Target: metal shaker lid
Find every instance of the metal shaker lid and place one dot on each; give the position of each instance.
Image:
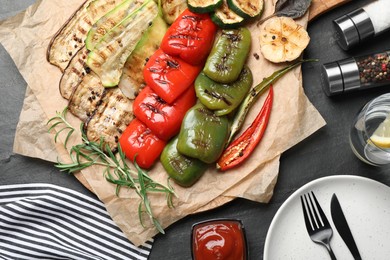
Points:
(353, 28)
(331, 79)
(340, 76)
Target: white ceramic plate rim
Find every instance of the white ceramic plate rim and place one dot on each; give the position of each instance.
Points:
(294, 198)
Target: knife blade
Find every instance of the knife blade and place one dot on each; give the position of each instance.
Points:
(342, 227)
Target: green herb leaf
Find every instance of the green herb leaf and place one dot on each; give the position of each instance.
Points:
(116, 170)
(59, 120)
(289, 8)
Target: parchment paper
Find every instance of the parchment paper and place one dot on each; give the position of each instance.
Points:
(26, 37)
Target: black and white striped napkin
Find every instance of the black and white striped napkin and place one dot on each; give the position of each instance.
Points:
(44, 221)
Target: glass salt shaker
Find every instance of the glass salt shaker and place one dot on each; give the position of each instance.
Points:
(356, 73)
(362, 24)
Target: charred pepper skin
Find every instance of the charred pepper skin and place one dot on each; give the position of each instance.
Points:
(203, 135)
(255, 93)
(162, 118)
(228, 55)
(223, 98)
(242, 147)
(185, 171)
(140, 144)
(169, 76)
(190, 37)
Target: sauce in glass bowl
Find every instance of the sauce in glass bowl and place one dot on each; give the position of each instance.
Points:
(220, 239)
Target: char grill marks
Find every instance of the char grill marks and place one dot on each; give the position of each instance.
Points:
(74, 73)
(86, 97)
(110, 118)
(69, 39)
(106, 112)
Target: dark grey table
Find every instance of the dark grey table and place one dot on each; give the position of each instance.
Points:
(325, 153)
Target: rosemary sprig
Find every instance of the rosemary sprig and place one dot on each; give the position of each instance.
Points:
(116, 170)
(59, 119)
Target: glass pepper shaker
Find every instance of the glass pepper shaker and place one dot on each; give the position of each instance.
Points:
(356, 73)
(363, 23)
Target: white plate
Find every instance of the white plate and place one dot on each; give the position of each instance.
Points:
(366, 205)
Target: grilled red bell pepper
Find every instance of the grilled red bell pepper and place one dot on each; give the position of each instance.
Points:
(242, 147)
(163, 119)
(190, 37)
(138, 141)
(169, 76)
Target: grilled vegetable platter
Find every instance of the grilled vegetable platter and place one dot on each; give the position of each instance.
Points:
(166, 85)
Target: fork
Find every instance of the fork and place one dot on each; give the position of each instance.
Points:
(317, 224)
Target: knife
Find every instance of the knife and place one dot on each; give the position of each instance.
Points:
(342, 227)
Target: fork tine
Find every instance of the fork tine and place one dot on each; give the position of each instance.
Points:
(322, 214)
(316, 222)
(305, 214)
(312, 212)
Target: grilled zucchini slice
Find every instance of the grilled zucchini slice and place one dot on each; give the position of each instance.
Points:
(132, 81)
(225, 18)
(246, 8)
(110, 54)
(71, 36)
(109, 21)
(203, 6)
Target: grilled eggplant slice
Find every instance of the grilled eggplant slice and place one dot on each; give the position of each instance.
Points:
(86, 97)
(132, 80)
(109, 21)
(71, 36)
(110, 119)
(74, 73)
(110, 54)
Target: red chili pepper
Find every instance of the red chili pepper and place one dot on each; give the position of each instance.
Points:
(138, 140)
(169, 76)
(190, 37)
(242, 147)
(163, 119)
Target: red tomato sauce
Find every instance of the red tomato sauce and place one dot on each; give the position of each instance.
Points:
(219, 239)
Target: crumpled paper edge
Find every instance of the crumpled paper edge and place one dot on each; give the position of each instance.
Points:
(107, 198)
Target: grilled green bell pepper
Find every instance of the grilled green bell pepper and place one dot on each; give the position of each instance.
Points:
(228, 55)
(203, 135)
(223, 98)
(184, 170)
